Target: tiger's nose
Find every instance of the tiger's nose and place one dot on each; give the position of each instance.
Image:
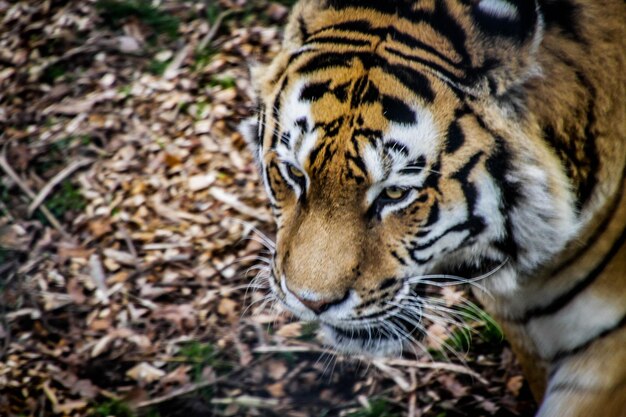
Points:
(320, 306)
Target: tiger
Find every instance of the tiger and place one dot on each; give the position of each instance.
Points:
(403, 141)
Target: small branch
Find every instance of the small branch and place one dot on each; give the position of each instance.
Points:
(213, 31)
(99, 278)
(233, 202)
(247, 401)
(176, 393)
(129, 243)
(27, 190)
(385, 361)
(56, 180)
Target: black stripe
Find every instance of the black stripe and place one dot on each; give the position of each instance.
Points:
(370, 134)
(303, 125)
(564, 299)
(455, 137)
(560, 355)
(599, 231)
(276, 106)
(498, 165)
(468, 187)
(325, 60)
(460, 227)
(304, 31)
(385, 7)
(398, 257)
(564, 15)
(427, 63)
(413, 80)
(337, 40)
(433, 216)
(285, 138)
(396, 146)
(363, 27)
(397, 110)
(261, 125)
(314, 91)
(519, 28)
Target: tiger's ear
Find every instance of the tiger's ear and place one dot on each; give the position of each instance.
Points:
(508, 37)
(297, 29)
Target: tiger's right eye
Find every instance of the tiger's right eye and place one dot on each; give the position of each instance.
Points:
(295, 172)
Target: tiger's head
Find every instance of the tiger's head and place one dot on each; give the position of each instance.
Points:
(393, 144)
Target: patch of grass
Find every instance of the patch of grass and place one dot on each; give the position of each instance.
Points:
(115, 12)
(288, 3)
(484, 325)
(224, 81)
(62, 145)
(66, 198)
(4, 257)
(157, 67)
(203, 57)
(201, 355)
(110, 407)
(53, 72)
(125, 90)
(309, 330)
(213, 10)
(377, 408)
(460, 339)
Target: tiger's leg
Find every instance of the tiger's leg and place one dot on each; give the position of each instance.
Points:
(590, 383)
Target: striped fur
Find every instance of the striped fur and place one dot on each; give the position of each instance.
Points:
(399, 140)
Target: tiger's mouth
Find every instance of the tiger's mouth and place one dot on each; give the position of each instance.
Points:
(383, 338)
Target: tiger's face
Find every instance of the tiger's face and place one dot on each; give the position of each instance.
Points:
(382, 178)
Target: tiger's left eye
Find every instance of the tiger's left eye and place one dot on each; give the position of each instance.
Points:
(395, 193)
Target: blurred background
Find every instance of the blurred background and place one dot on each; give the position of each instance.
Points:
(132, 222)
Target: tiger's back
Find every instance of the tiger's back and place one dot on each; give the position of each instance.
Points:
(400, 140)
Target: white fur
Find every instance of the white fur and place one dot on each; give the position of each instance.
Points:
(574, 324)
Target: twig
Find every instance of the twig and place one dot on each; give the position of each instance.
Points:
(389, 362)
(213, 31)
(248, 401)
(188, 389)
(437, 365)
(177, 393)
(234, 203)
(129, 244)
(394, 374)
(56, 180)
(172, 69)
(97, 274)
(27, 190)
(218, 272)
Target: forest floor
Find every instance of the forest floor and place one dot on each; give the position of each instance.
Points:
(131, 219)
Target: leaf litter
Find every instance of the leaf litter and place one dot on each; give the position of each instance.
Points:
(132, 218)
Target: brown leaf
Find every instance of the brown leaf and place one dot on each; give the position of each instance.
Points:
(99, 227)
(514, 384)
(450, 383)
(277, 369)
(183, 315)
(178, 376)
(276, 389)
(290, 330)
(228, 308)
(145, 372)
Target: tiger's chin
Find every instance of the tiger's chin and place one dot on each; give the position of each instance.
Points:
(372, 342)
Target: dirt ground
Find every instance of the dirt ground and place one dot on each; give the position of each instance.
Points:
(132, 222)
